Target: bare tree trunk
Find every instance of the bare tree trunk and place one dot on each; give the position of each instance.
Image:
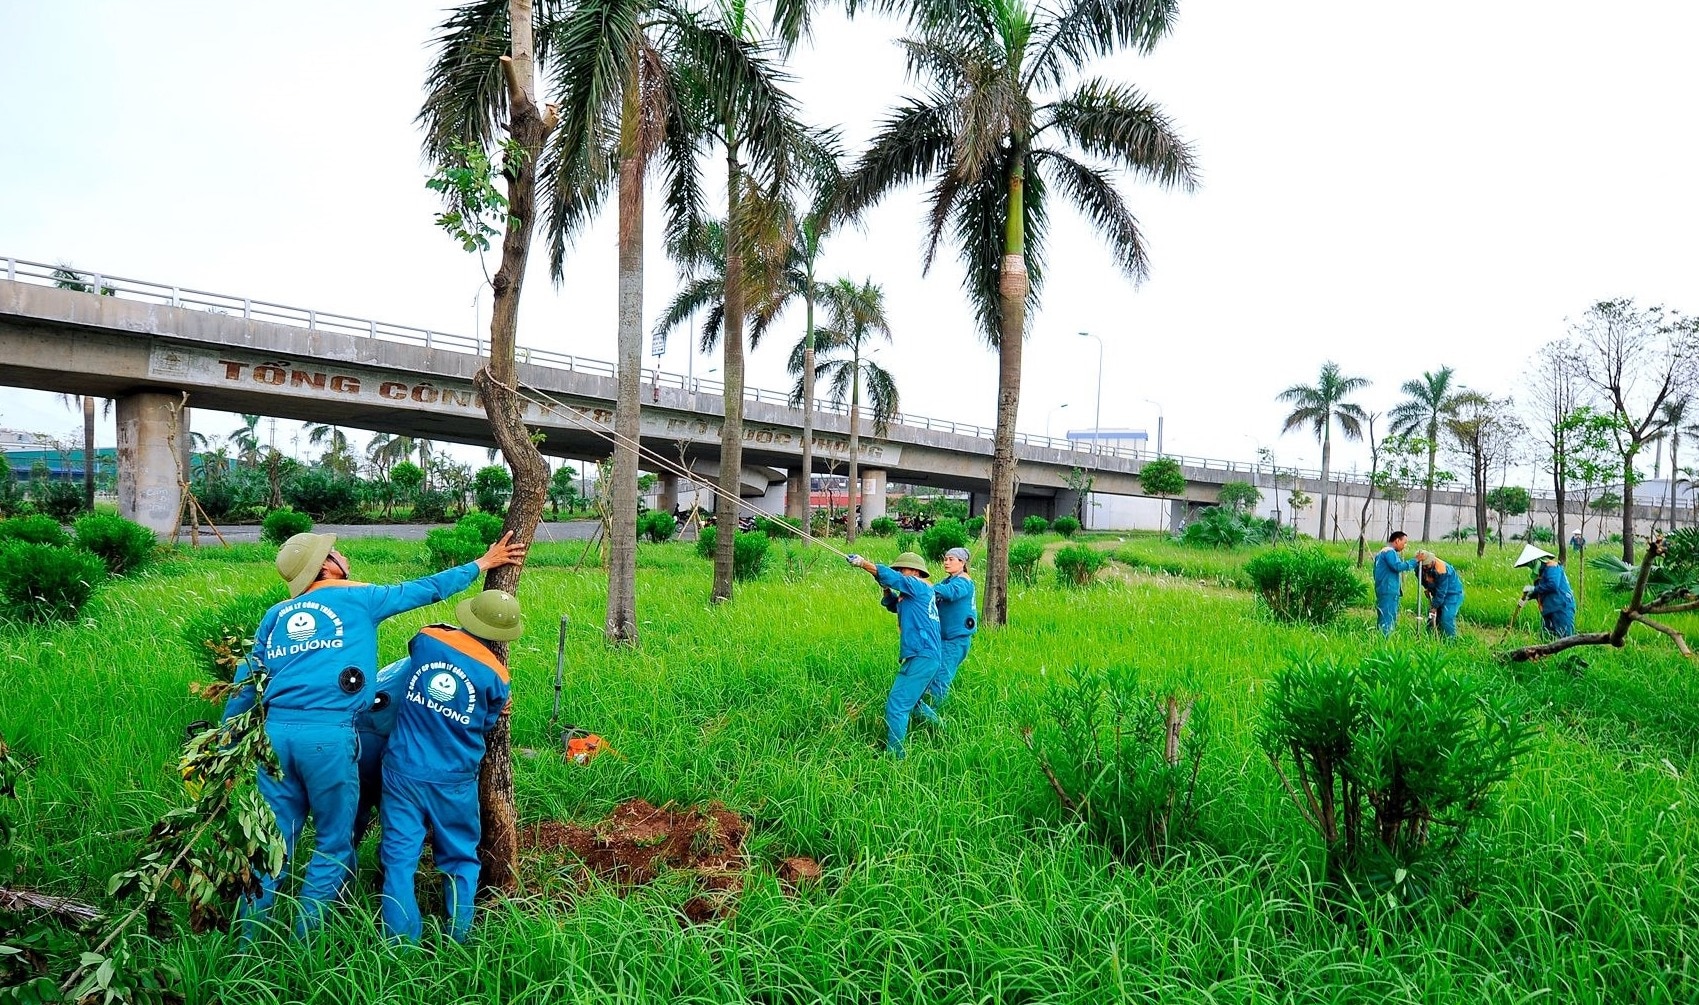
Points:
(88, 453)
(621, 624)
(854, 519)
(498, 384)
(1368, 500)
(1628, 508)
(1012, 289)
(1428, 488)
(1675, 445)
(1480, 472)
(731, 431)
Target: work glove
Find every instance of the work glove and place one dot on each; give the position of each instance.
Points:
(1527, 593)
(854, 559)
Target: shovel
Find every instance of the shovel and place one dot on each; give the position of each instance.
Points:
(1514, 615)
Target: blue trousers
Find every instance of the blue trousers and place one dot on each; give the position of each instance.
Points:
(1445, 615)
(952, 653)
(1386, 606)
(371, 782)
(904, 700)
(321, 779)
(1558, 622)
(447, 811)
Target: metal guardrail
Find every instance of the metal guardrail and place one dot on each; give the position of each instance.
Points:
(40, 273)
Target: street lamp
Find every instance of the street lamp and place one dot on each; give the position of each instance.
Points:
(1097, 416)
(1158, 425)
(1051, 415)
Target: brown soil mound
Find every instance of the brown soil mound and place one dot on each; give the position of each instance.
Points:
(637, 842)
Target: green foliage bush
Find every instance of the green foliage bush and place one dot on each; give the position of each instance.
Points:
(882, 526)
(1124, 758)
(12, 494)
(492, 486)
(324, 495)
(36, 529)
(1078, 564)
(59, 500)
(1034, 524)
(123, 545)
(1241, 496)
(975, 527)
(44, 582)
(221, 635)
(1023, 560)
(431, 506)
(447, 547)
(705, 539)
(941, 537)
(1162, 477)
(657, 525)
(749, 551)
(1304, 584)
(1223, 527)
(1391, 760)
(1540, 535)
(407, 478)
(283, 523)
(1066, 526)
(778, 527)
(485, 527)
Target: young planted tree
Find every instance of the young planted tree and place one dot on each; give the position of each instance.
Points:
(1554, 393)
(1428, 402)
(1318, 406)
(1003, 124)
(855, 324)
(1508, 501)
(472, 92)
(1369, 494)
(1482, 429)
(1637, 360)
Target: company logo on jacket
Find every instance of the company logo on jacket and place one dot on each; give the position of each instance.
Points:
(447, 691)
(303, 623)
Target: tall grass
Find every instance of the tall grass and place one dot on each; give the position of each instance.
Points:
(951, 876)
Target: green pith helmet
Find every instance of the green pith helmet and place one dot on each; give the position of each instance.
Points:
(301, 558)
(492, 615)
(909, 560)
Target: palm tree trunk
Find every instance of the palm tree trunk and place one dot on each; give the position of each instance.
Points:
(731, 430)
(88, 453)
(1326, 468)
(1428, 486)
(807, 507)
(498, 384)
(1012, 289)
(854, 519)
(621, 623)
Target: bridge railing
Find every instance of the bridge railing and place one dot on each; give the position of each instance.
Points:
(1082, 452)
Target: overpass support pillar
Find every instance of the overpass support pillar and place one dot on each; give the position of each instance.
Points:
(666, 499)
(1067, 503)
(153, 446)
(872, 496)
(977, 503)
(796, 495)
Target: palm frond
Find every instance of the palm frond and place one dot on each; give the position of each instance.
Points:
(912, 143)
(1121, 125)
(1084, 30)
(1093, 193)
(465, 95)
(882, 399)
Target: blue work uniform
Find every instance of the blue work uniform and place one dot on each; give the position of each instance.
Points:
(320, 651)
(372, 728)
(918, 651)
(1445, 597)
(1389, 588)
(958, 619)
(455, 689)
(1556, 599)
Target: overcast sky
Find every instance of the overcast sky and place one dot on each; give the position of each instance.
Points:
(1391, 186)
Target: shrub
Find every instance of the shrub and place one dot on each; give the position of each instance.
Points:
(1223, 527)
(492, 486)
(778, 526)
(283, 523)
(1162, 477)
(749, 551)
(1390, 760)
(1239, 496)
(216, 499)
(323, 495)
(11, 490)
(123, 545)
(36, 529)
(59, 500)
(222, 635)
(1304, 584)
(1077, 565)
(407, 478)
(1123, 758)
(975, 527)
(1034, 524)
(1461, 534)
(941, 537)
(485, 527)
(1023, 560)
(657, 526)
(447, 547)
(430, 506)
(705, 539)
(1066, 526)
(44, 582)
(907, 540)
(882, 526)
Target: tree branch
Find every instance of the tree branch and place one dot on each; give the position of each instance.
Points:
(1675, 636)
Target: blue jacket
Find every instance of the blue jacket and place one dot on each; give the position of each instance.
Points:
(450, 695)
(309, 643)
(1551, 588)
(1388, 566)
(957, 617)
(917, 613)
(379, 719)
(1443, 587)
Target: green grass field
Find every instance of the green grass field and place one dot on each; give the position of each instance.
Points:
(951, 876)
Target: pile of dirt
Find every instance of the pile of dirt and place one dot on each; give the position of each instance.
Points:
(638, 841)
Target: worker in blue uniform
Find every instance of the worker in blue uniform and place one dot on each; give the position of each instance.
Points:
(958, 619)
(1390, 565)
(455, 690)
(372, 728)
(1550, 590)
(918, 645)
(319, 650)
(1444, 587)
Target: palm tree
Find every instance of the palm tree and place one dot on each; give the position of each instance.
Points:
(1428, 402)
(1318, 407)
(1002, 123)
(246, 440)
(855, 321)
(1672, 415)
(338, 456)
(67, 278)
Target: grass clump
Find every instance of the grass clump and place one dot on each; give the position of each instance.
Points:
(283, 523)
(882, 526)
(42, 582)
(37, 528)
(1067, 526)
(1304, 584)
(447, 547)
(942, 536)
(221, 634)
(1078, 565)
(123, 545)
(749, 551)
(1023, 560)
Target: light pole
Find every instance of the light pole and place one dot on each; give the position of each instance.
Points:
(1158, 425)
(1051, 415)
(1097, 415)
